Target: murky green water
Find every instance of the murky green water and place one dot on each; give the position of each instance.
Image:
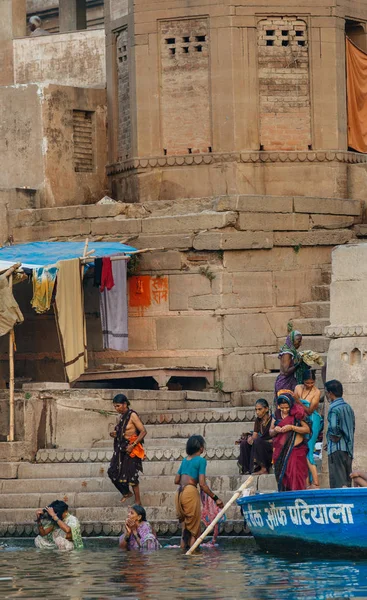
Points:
(103, 572)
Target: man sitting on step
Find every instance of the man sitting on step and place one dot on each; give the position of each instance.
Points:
(128, 451)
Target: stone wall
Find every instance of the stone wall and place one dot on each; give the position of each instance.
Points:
(231, 272)
(71, 59)
(284, 87)
(38, 143)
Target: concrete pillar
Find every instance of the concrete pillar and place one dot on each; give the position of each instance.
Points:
(13, 23)
(72, 15)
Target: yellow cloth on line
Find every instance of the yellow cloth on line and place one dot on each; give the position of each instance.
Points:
(43, 284)
(70, 318)
(10, 313)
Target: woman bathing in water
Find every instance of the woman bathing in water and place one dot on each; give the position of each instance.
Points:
(309, 395)
(139, 534)
(188, 506)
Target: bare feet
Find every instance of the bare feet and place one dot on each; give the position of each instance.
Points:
(313, 486)
(261, 471)
(124, 498)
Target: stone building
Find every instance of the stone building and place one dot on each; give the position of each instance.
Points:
(227, 151)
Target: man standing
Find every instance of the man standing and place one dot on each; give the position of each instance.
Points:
(128, 451)
(340, 436)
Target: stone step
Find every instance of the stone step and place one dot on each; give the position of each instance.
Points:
(148, 483)
(315, 310)
(326, 276)
(249, 398)
(148, 444)
(311, 326)
(317, 343)
(224, 466)
(320, 292)
(266, 381)
(91, 499)
(164, 528)
(80, 455)
(99, 514)
(214, 415)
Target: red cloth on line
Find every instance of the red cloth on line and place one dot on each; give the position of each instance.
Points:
(106, 277)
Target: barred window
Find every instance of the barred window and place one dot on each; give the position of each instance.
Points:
(83, 123)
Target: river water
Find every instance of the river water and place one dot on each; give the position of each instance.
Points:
(103, 572)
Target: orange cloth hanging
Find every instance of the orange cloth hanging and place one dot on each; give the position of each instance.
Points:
(138, 449)
(357, 97)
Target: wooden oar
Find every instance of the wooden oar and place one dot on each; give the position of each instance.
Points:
(210, 527)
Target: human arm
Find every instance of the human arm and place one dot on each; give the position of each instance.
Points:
(43, 531)
(274, 429)
(287, 366)
(333, 433)
(314, 403)
(302, 428)
(177, 479)
(124, 538)
(142, 432)
(206, 489)
(58, 521)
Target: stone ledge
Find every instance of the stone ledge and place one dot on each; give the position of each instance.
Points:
(114, 529)
(341, 331)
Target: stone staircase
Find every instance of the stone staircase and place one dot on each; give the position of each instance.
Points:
(314, 317)
(79, 475)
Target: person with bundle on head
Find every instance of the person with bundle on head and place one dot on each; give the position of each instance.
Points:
(188, 505)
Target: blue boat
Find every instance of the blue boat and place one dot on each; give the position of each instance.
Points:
(308, 521)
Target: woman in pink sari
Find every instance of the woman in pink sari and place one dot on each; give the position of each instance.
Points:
(288, 429)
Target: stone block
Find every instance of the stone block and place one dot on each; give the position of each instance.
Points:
(264, 382)
(9, 470)
(182, 287)
(327, 206)
(235, 370)
(117, 226)
(285, 259)
(142, 333)
(315, 309)
(184, 332)
(170, 242)
(293, 287)
(348, 302)
(272, 362)
(191, 222)
(278, 320)
(249, 290)
(160, 261)
(247, 330)
(274, 222)
(323, 237)
(207, 302)
(100, 211)
(350, 263)
(311, 326)
(249, 398)
(269, 204)
(235, 240)
(61, 213)
(331, 221)
(320, 292)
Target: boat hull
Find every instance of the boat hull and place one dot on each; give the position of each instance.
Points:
(309, 520)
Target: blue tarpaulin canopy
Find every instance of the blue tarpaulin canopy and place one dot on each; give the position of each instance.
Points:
(41, 254)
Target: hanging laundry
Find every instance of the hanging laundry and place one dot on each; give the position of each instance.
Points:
(113, 306)
(10, 313)
(97, 272)
(70, 318)
(43, 285)
(107, 280)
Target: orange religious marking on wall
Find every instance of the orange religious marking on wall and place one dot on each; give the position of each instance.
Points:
(160, 289)
(139, 291)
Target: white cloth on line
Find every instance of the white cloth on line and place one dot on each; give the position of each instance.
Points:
(113, 306)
